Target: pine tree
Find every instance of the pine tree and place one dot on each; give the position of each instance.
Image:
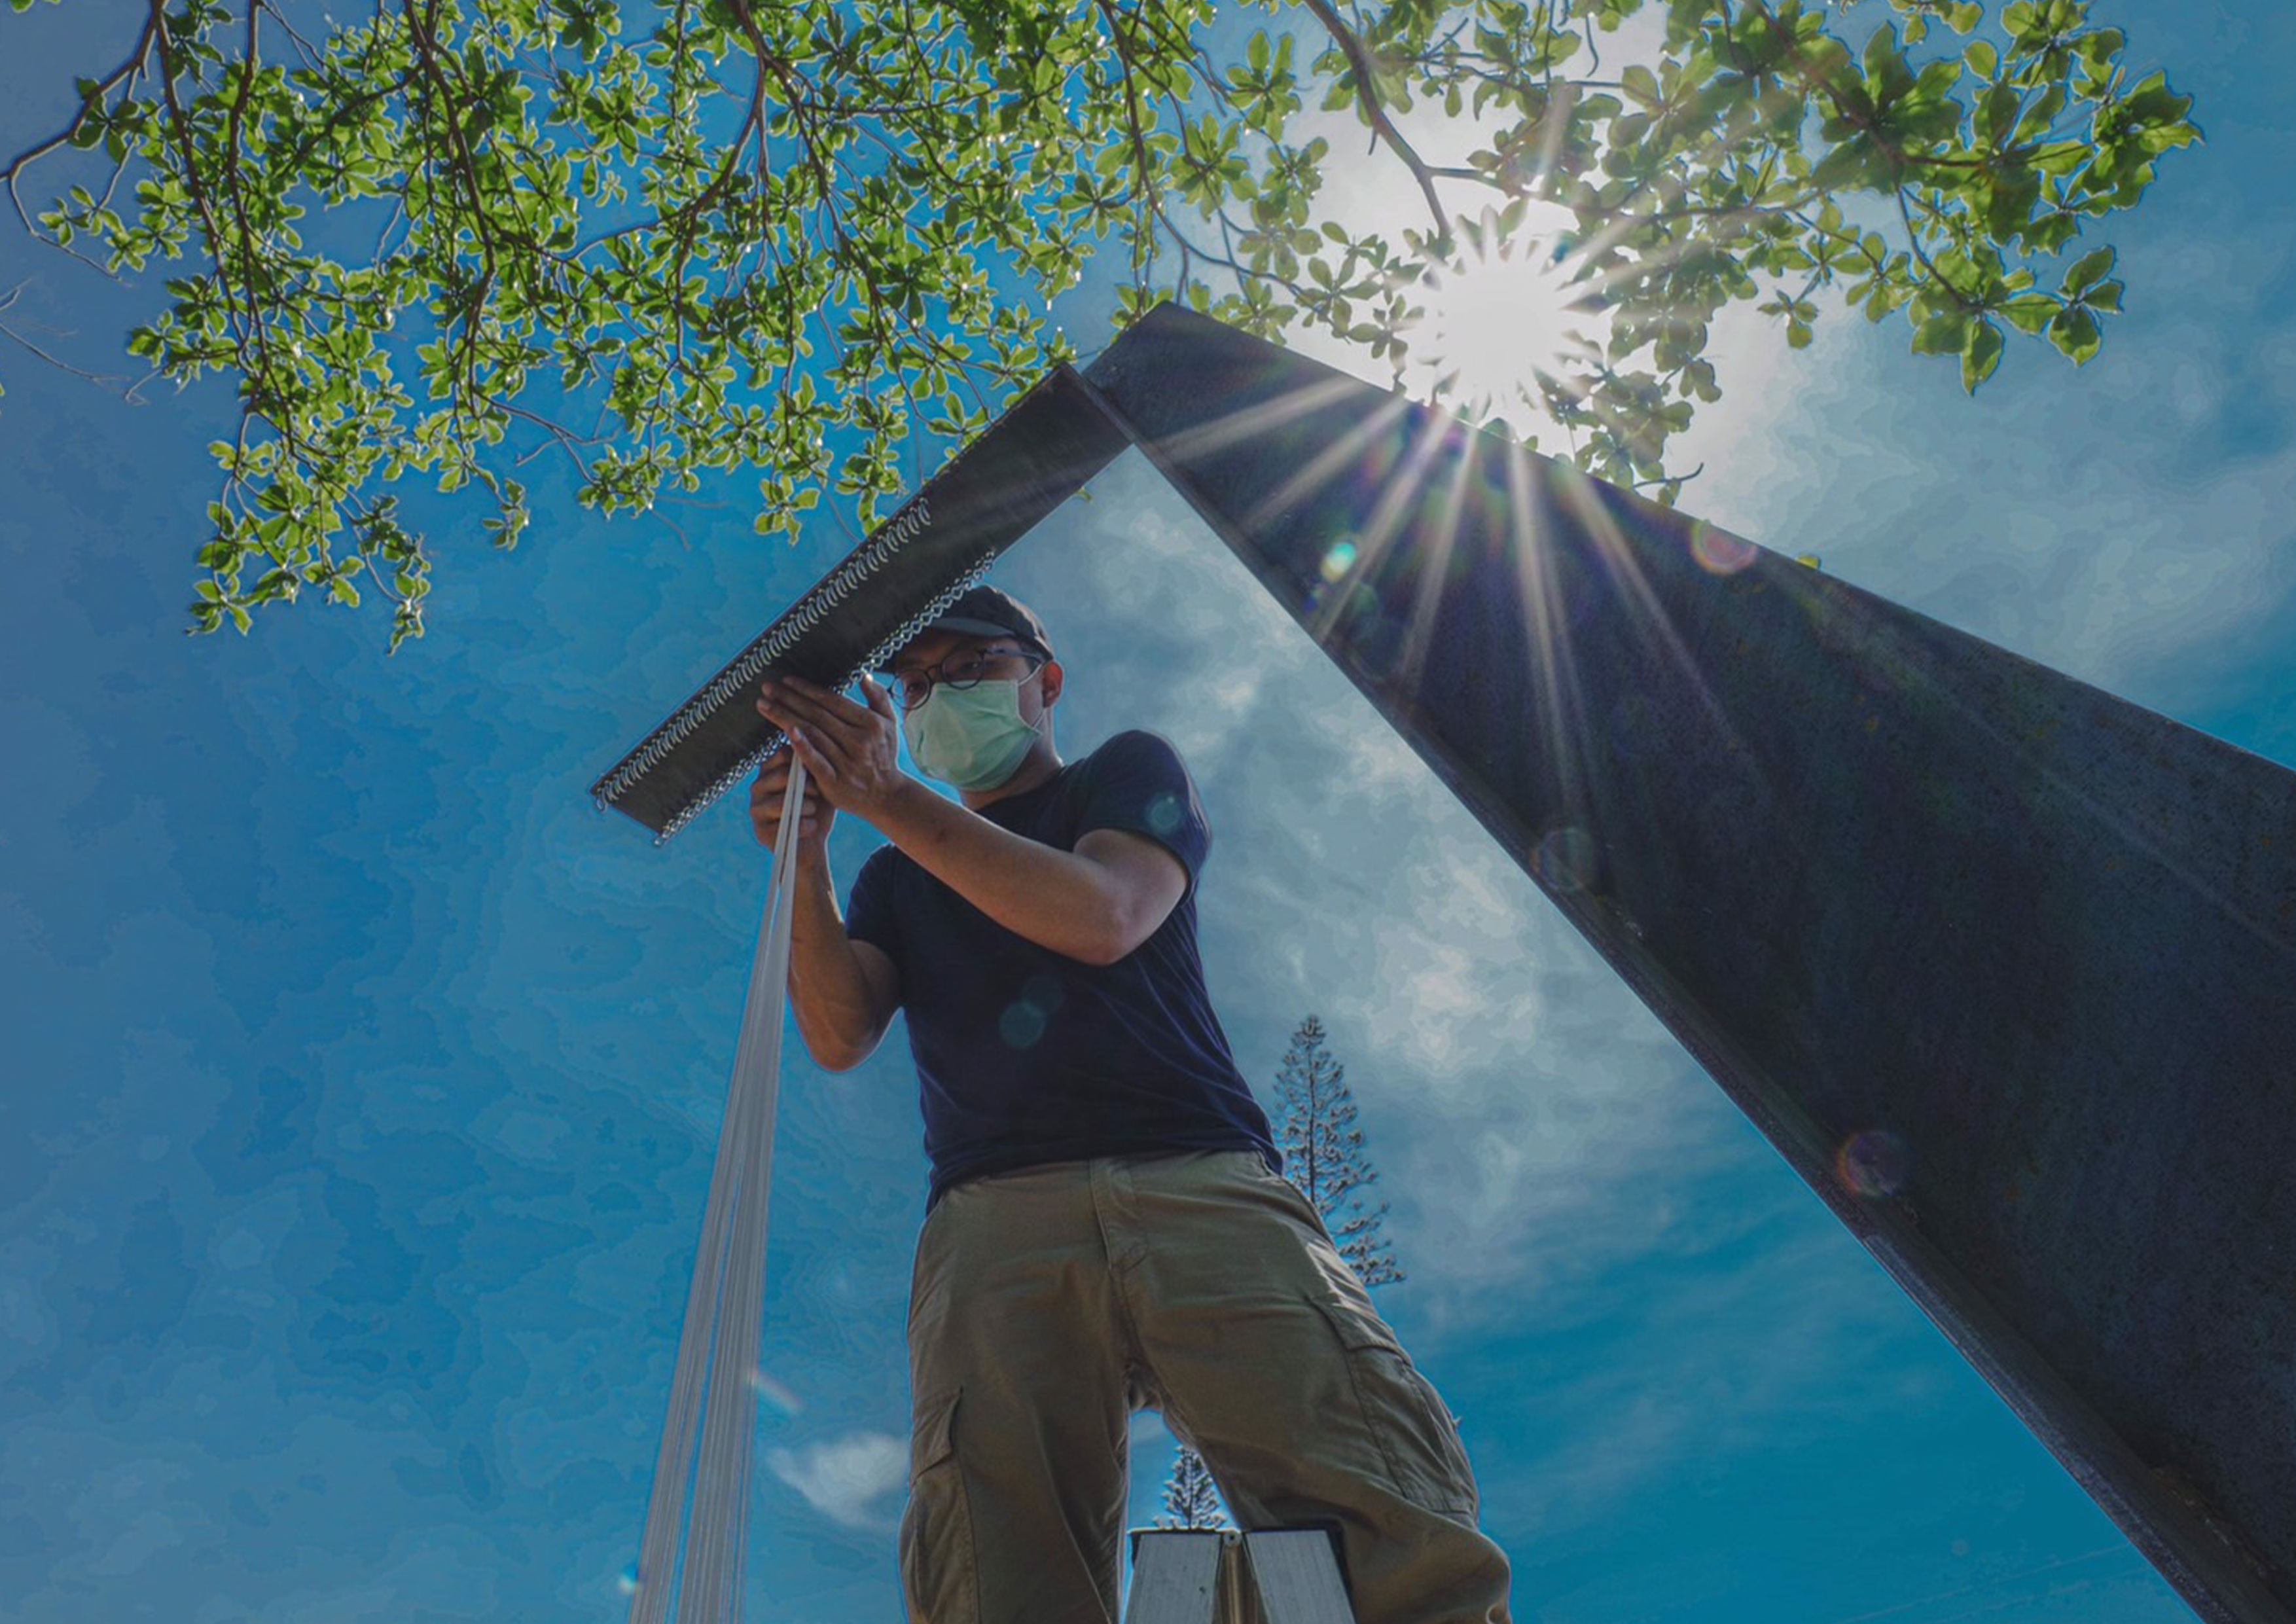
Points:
(1191, 1498)
(1324, 1154)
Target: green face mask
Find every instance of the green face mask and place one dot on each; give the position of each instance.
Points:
(970, 738)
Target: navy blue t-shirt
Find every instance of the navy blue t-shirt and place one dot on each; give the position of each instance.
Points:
(1025, 1055)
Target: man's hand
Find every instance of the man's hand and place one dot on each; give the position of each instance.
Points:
(767, 795)
(851, 752)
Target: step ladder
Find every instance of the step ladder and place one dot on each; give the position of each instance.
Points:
(1218, 1576)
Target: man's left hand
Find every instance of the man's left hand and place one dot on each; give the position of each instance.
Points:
(852, 751)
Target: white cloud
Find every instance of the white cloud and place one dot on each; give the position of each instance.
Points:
(845, 1477)
(2097, 522)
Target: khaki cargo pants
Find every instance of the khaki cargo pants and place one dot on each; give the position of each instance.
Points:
(1049, 1304)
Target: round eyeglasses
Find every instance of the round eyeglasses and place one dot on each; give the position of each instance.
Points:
(967, 668)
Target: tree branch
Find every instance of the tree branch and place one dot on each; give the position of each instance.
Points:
(1366, 93)
(153, 18)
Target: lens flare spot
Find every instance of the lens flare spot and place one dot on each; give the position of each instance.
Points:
(1024, 1019)
(1719, 553)
(1021, 1025)
(1565, 859)
(1873, 1163)
(774, 1393)
(1164, 813)
(1339, 560)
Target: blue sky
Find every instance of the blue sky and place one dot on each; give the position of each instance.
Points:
(363, 1080)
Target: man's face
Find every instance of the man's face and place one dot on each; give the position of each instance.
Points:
(936, 655)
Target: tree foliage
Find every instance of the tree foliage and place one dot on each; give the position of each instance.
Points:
(444, 237)
(1191, 1498)
(1323, 1152)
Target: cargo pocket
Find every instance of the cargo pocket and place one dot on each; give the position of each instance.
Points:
(938, 1579)
(1417, 1439)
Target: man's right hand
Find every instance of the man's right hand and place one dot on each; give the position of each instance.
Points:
(767, 794)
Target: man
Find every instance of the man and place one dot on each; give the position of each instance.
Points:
(1107, 1229)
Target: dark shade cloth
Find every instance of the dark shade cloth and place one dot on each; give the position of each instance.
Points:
(1025, 1056)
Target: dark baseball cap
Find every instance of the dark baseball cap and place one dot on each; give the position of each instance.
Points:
(988, 611)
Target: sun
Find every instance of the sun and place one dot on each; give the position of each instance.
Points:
(1503, 314)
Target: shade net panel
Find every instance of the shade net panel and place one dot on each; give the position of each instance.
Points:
(2003, 966)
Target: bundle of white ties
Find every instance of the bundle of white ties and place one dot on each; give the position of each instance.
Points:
(725, 1307)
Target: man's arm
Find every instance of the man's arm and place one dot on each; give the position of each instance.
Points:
(1095, 904)
(843, 992)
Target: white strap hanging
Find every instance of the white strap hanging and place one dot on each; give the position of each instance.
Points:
(724, 1306)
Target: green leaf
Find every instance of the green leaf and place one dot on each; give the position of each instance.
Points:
(1881, 51)
(1943, 334)
(2051, 232)
(1854, 163)
(2031, 313)
(2075, 332)
(2087, 271)
(1979, 355)
(2015, 191)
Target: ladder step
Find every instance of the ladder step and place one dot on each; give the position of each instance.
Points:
(1267, 1576)
(1297, 1577)
(1176, 1576)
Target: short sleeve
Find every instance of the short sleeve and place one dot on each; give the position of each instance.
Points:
(871, 914)
(1137, 782)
